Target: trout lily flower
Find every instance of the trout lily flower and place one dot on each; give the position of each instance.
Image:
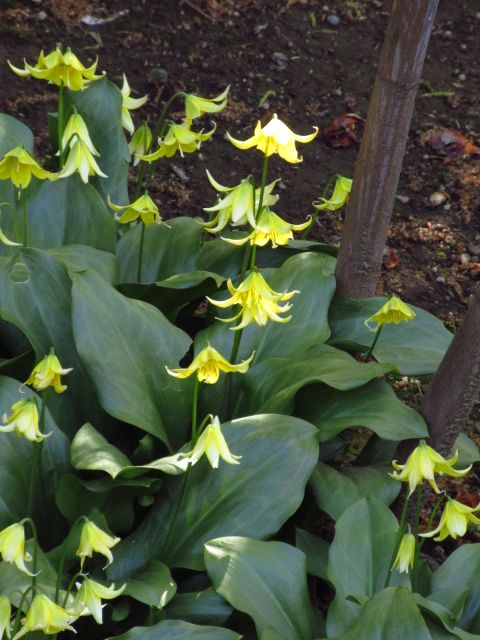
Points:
(275, 137)
(47, 374)
(76, 129)
(258, 302)
(12, 547)
(18, 166)
(46, 616)
(270, 228)
(406, 554)
(5, 615)
(23, 419)
(62, 69)
(422, 464)
(454, 521)
(90, 595)
(140, 143)
(207, 366)
(92, 538)
(81, 159)
(195, 106)
(128, 104)
(393, 311)
(339, 197)
(212, 443)
(181, 138)
(239, 205)
(143, 208)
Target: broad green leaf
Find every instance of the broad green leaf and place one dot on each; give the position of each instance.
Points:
(152, 585)
(373, 406)
(336, 491)
(278, 455)
(316, 551)
(468, 451)
(78, 257)
(415, 347)
(167, 251)
(14, 133)
(125, 345)
(199, 607)
(359, 559)
(221, 257)
(100, 105)
(177, 630)
(441, 611)
(266, 580)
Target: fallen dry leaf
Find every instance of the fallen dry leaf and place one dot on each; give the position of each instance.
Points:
(344, 131)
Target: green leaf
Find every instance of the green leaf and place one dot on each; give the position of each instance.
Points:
(336, 491)
(177, 630)
(468, 451)
(278, 455)
(14, 582)
(266, 580)
(221, 257)
(316, 551)
(152, 585)
(199, 607)
(373, 406)
(125, 345)
(415, 347)
(358, 563)
(14, 133)
(78, 257)
(100, 105)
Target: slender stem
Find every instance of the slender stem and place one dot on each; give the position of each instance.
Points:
(435, 509)
(398, 541)
(16, 624)
(196, 386)
(140, 252)
(23, 201)
(33, 528)
(253, 257)
(60, 125)
(70, 587)
(37, 452)
(415, 533)
(377, 335)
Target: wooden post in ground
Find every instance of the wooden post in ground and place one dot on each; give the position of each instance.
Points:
(383, 146)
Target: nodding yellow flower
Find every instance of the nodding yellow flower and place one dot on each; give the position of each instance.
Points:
(44, 615)
(339, 197)
(195, 106)
(208, 364)
(81, 159)
(212, 443)
(258, 302)
(270, 228)
(77, 129)
(140, 143)
(94, 539)
(181, 138)
(422, 464)
(23, 419)
(60, 69)
(454, 521)
(47, 374)
(275, 137)
(393, 311)
(5, 615)
(128, 104)
(12, 547)
(406, 554)
(18, 166)
(239, 205)
(90, 595)
(144, 208)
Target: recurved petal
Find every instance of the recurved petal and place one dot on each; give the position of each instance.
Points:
(307, 138)
(242, 144)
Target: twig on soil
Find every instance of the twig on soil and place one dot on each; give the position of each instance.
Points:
(197, 9)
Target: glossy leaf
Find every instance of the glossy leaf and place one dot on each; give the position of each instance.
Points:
(14, 133)
(177, 630)
(200, 607)
(152, 585)
(316, 552)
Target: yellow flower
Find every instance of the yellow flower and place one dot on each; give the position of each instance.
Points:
(422, 464)
(179, 137)
(5, 614)
(208, 364)
(406, 554)
(270, 228)
(454, 521)
(92, 538)
(212, 443)
(18, 166)
(60, 69)
(258, 301)
(81, 159)
(12, 547)
(238, 207)
(393, 311)
(140, 143)
(46, 616)
(128, 104)
(23, 419)
(90, 595)
(144, 208)
(339, 196)
(47, 374)
(196, 106)
(77, 129)
(275, 137)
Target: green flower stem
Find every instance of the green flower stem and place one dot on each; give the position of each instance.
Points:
(262, 185)
(315, 214)
(63, 555)
(33, 528)
(435, 509)
(60, 125)
(196, 386)
(415, 533)
(71, 584)
(398, 541)
(16, 623)
(375, 340)
(37, 454)
(140, 252)
(23, 201)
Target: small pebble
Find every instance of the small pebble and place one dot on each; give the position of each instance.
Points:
(42, 15)
(441, 280)
(403, 199)
(463, 47)
(337, 92)
(333, 21)
(464, 258)
(462, 77)
(437, 198)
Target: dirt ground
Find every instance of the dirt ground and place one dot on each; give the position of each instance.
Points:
(310, 61)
